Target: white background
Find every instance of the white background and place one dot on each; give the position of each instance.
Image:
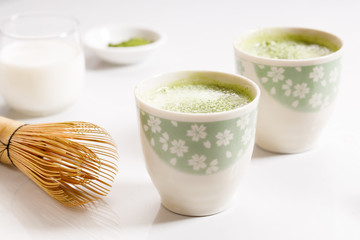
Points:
(312, 195)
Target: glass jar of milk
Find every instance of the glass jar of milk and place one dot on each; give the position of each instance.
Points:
(41, 63)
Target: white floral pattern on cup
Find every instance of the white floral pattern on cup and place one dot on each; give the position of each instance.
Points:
(199, 148)
(306, 88)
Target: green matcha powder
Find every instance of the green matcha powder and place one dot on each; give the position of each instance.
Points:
(199, 97)
(281, 45)
(289, 49)
(133, 42)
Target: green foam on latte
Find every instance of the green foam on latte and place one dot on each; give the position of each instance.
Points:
(197, 94)
(285, 45)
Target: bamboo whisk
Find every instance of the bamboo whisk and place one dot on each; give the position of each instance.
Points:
(74, 162)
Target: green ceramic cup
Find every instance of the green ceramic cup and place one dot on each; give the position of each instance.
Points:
(196, 161)
(297, 95)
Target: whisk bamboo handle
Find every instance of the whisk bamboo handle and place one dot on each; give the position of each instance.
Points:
(7, 129)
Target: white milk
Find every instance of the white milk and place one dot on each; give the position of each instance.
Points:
(41, 77)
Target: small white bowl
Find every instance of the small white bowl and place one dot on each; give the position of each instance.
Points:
(97, 40)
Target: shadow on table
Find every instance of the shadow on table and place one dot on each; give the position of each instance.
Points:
(37, 211)
(96, 64)
(6, 111)
(166, 216)
(261, 154)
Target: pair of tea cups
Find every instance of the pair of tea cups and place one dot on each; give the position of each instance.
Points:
(196, 161)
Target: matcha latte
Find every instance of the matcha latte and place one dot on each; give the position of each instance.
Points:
(287, 45)
(298, 71)
(197, 132)
(198, 95)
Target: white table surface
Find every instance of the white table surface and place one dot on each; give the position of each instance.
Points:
(312, 195)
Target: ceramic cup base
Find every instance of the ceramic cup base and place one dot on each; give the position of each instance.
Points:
(184, 210)
(274, 148)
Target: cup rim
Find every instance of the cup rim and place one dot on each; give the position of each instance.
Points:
(199, 117)
(289, 62)
(18, 16)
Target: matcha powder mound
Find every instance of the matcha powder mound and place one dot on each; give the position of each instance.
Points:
(133, 42)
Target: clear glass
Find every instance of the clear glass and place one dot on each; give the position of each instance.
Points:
(41, 63)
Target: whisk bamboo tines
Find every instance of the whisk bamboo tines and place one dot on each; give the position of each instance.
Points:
(74, 162)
